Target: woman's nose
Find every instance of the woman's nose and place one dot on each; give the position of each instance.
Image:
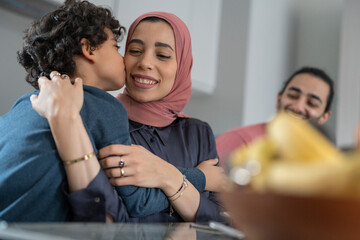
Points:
(146, 62)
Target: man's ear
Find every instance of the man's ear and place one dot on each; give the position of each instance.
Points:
(324, 117)
(278, 98)
(87, 50)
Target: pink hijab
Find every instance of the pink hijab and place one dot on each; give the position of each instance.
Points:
(163, 112)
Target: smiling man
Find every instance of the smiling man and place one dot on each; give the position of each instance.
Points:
(307, 94)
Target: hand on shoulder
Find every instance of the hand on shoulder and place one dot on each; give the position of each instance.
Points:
(58, 97)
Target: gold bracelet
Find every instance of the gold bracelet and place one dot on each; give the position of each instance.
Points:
(181, 187)
(181, 193)
(84, 158)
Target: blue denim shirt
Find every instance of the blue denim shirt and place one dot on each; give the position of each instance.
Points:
(32, 173)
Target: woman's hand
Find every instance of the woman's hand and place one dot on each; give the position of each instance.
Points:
(141, 168)
(144, 169)
(215, 176)
(58, 96)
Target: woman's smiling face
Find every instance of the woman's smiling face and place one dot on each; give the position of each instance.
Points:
(150, 61)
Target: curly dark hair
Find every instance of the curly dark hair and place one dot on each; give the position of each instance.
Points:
(51, 42)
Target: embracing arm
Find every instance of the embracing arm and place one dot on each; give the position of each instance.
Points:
(142, 201)
(144, 169)
(60, 102)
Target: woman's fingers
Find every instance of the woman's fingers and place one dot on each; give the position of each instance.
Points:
(114, 161)
(54, 74)
(78, 83)
(34, 99)
(114, 149)
(119, 172)
(42, 81)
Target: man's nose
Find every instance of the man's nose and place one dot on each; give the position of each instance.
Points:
(300, 106)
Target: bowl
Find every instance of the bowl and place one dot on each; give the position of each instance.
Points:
(274, 216)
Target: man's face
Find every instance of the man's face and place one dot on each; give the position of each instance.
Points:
(306, 96)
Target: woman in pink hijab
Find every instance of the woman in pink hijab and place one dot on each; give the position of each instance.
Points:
(158, 61)
(168, 174)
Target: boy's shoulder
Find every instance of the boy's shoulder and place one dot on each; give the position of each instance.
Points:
(98, 96)
(101, 101)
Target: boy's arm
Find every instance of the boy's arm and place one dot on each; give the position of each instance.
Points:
(142, 202)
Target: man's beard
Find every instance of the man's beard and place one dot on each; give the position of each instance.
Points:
(313, 121)
(298, 114)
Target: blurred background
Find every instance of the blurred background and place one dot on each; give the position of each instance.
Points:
(243, 51)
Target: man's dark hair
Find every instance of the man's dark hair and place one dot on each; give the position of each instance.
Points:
(52, 42)
(317, 73)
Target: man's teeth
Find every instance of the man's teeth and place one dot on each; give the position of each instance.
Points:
(296, 115)
(145, 81)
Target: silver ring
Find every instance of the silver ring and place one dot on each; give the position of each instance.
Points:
(122, 172)
(121, 163)
(58, 74)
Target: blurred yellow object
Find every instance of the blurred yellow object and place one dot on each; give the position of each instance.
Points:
(297, 140)
(255, 159)
(295, 159)
(308, 179)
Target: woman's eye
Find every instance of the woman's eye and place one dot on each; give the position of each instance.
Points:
(162, 56)
(134, 51)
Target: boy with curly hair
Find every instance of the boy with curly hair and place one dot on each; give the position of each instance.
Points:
(80, 41)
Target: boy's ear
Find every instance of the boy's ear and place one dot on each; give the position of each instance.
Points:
(87, 50)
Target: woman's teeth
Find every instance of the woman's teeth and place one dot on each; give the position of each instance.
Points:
(145, 81)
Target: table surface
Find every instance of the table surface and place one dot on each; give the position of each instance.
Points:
(89, 231)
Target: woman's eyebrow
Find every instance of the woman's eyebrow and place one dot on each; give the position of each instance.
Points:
(135, 40)
(160, 44)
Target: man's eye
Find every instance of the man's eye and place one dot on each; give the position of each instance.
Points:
(313, 105)
(292, 96)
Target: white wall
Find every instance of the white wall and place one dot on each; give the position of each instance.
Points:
(223, 109)
(269, 57)
(348, 114)
(12, 83)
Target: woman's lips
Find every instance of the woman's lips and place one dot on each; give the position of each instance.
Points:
(143, 81)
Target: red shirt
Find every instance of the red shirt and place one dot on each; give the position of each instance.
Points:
(236, 138)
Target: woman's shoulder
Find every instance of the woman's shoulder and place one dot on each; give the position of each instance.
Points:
(191, 123)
